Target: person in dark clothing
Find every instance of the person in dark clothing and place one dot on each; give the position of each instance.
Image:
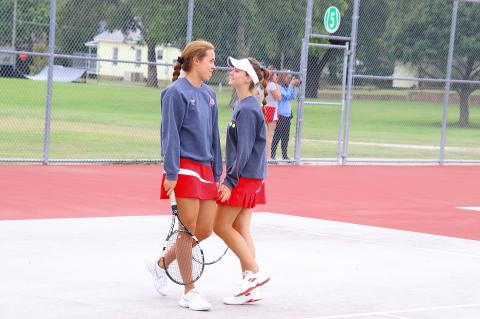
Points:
(243, 186)
(282, 131)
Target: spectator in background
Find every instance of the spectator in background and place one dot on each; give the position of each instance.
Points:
(271, 109)
(288, 92)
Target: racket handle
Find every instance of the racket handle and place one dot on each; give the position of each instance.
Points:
(173, 200)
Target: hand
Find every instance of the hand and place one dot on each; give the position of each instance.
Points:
(169, 185)
(224, 193)
(294, 82)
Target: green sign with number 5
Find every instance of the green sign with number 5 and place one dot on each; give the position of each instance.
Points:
(331, 20)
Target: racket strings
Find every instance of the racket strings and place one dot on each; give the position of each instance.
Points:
(184, 258)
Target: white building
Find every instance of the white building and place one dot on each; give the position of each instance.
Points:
(116, 46)
(404, 71)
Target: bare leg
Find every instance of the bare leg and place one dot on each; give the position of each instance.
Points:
(242, 225)
(188, 210)
(183, 252)
(203, 229)
(206, 218)
(226, 216)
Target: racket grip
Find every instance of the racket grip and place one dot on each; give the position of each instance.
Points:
(173, 200)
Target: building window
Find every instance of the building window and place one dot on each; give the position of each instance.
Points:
(138, 57)
(160, 55)
(115, 56)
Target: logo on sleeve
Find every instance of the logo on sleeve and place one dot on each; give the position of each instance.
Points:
(211, 102)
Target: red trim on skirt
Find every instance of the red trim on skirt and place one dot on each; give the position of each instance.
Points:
(248, 193)
(271, 114)
(191, 186)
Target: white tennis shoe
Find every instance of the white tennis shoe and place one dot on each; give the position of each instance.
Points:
(159, 276)
(248, 298)
(193, 301)
(251, 281)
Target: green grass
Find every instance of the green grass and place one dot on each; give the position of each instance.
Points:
(108, 121)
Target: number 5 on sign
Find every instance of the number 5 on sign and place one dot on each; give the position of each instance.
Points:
(331, 20)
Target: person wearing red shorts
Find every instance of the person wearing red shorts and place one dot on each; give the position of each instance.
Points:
(243, 186)
(271, 108)
(192, 155)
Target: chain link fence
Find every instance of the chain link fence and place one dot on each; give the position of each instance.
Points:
(372, 90)
(402, 92)
(325, 84)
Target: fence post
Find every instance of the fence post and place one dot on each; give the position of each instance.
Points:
(342, 107)
(51, 59)
(303, 71)
(189, 21)
(351, 70)
(14, 29)
(446, 96)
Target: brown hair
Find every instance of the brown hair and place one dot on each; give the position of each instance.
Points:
(271, 69)
(194, 49)
(263, 75)
(283, 78)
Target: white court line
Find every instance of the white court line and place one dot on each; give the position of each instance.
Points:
(408, 146)
(395, 316)
(470, 208)
(386, 313)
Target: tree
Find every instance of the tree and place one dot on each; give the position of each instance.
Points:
(32, 22)
(281, 28)
(372, 50)
(423, 40)
(160, 22)
(229, 25)
(79, 21)
(318, 58)
(271, 31)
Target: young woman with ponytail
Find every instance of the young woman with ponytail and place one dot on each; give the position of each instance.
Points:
(192, 155)
(243, 186)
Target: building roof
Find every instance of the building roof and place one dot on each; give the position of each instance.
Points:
(116, 36)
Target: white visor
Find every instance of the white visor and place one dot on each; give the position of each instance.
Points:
(243, 65)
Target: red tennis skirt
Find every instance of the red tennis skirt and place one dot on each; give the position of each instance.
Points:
(194, 180)
(271, 114)
(247, 193)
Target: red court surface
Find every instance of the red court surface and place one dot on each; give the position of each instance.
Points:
(414, 198)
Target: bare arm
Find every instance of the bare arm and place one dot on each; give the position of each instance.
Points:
(277, 95)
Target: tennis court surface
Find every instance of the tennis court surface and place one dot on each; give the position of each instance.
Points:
(339, 242)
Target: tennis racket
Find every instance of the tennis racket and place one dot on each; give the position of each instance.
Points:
(181, 254)
(214, 248)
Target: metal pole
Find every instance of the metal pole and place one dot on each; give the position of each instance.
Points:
(451, 48)
(14, 32)
(14, 27)
(51, 51)
(190, 20)
(351, 70)
(303, 71)
(342, 109)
